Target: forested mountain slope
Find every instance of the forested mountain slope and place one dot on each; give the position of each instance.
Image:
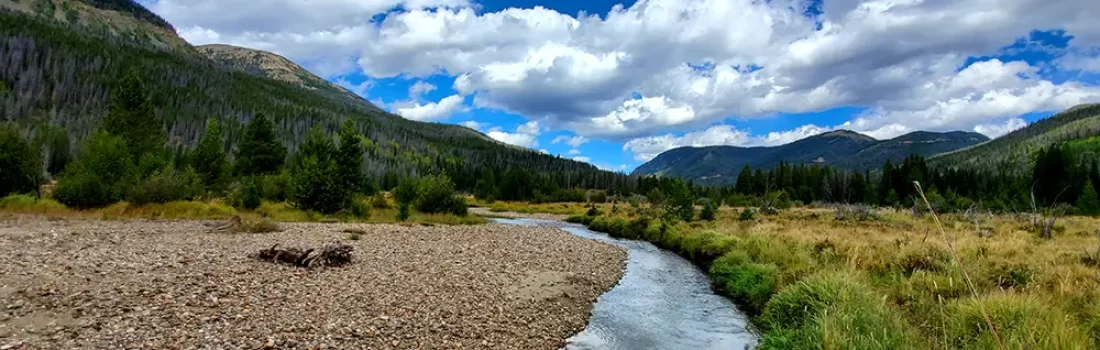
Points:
(1015, 149)
(841, 149)
(57, 71)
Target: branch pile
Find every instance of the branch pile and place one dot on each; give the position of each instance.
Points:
(331, 254)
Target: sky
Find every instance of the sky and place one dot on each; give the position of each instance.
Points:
(617, 83)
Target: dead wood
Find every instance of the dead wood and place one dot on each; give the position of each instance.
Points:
(331, 254)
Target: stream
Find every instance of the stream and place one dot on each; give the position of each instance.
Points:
(663, 301)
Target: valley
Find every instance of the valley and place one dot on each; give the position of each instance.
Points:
(160, 194)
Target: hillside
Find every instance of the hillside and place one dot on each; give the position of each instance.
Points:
(841, 148)
(1014, 149)
(57, 71)
(277, 67)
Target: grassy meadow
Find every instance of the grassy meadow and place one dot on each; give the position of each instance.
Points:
(860, 278)
(217, 209)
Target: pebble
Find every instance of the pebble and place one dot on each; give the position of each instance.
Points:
(174, 285)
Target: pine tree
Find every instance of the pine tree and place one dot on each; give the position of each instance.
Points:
(744, 181)
(315, 177)
(349, 159)
(209, 159)
(260, 152)
(131, 116)
(1089, 201)
(100, 175)
(19, 162)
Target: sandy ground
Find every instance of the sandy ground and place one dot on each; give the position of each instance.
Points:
(174, 285)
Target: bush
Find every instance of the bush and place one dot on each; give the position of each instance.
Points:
(99, 176)
(378, 201)
(747, 214)
(617, 228)
(436, 194)
(593, 211)
(250, 195)
(598, 224)
(402, 212)
(166, 185)
(277, 188)
(750, 284)
(19, 163)
(359, 207)
(596, 196)
(709, 212)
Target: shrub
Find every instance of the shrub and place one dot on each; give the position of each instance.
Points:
(598, 224)
(358, 207)
(858, 213)
(751, 284)
(378, 201)
(436, 194)
(166, 185)
(276, 187)
(709, 212)
(617, 227)
(250, 194)
(402, 212)
(596, 196)
(747, 214)
(99, 176)
(19, 162)
(593, 211)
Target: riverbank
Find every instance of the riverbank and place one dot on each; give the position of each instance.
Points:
(882, 279)
(95, 284)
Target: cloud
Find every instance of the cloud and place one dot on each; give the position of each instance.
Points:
(419, 88)
(472, 124)
(526, 135)
(574, 141)
(432, 111)
(672, 66)
(582, 159)
(359, 89)
(574, 152)
(998, 129)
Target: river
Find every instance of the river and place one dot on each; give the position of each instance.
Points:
(663, 301)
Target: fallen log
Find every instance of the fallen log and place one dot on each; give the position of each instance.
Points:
(331, 254)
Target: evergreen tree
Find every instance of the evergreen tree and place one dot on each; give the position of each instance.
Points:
(315, 177)
(886, 185)
(349, 160)
(209, 159)
(260, 152)
(1054, 174)
(19, 166)
(131, 117)
(744, 181)
(1089, 201)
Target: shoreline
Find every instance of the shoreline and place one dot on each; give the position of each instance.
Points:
(101, 284)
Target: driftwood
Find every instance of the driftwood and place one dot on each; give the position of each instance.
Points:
(331, 254)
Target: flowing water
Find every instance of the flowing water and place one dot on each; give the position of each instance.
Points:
(662, 302)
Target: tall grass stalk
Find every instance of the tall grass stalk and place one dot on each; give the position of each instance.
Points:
(958, 261)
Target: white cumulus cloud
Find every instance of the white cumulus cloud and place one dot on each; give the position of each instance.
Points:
(432, 111)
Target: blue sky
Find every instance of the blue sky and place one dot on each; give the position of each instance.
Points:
(615, 84)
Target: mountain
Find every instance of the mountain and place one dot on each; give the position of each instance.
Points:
(277, 67)
(841, 148)
(59, 61)
(1014, 150)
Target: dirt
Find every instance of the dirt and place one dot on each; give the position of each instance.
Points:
(176, 285)
(514, 215)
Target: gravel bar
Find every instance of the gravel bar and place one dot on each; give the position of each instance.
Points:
(175, 285)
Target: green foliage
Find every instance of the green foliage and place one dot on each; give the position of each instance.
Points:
(349, 160)
(251, 194)
(680, 203)
(54, 142)
(276, 187)
(436, 194)
(209, 159)
(359, 207)
(403, 212)
(709, 212)
(131, 117)
(19, 163)
(315, 177)
(260, 151)
(100, 174)
(166, 185)
(406, 192)
(1088, 202)
(749, 283)
(378, 201)
(747, 214)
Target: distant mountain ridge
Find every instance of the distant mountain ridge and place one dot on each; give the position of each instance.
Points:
(839, 148)
(1016, 148)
